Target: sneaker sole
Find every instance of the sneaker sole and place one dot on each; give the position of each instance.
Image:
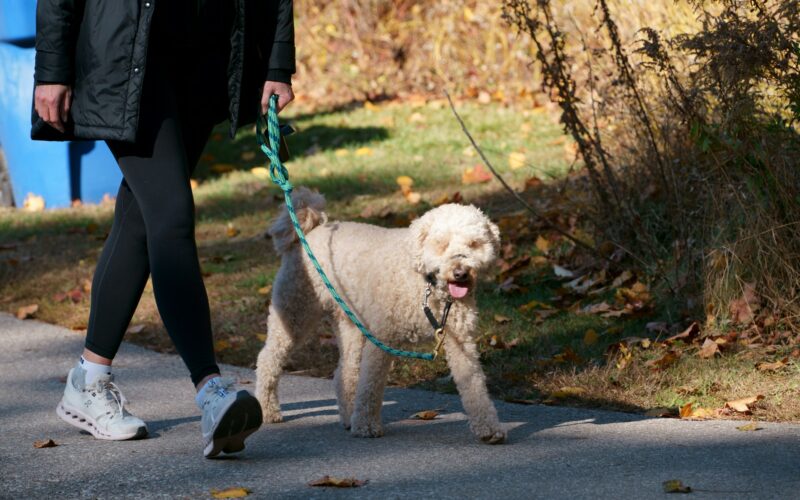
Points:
(242, 418)
(74, 417)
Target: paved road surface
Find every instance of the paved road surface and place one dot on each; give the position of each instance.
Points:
(552, 453)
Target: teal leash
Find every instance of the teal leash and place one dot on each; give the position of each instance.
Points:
(280, 176)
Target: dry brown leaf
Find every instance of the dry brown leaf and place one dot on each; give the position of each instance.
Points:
(221, 345)
(475, 175)
(231, 230)
(543, 244)
(45, 443)
(230, 493)
(687, 334)
(222, 168)
(347, 482)
(136, 329)
(668, 359)
(534, 304)
(774, 366)
(661, 412)
(26, 312)
(675, 486)
(622, 279)
(687, 411)
(744, 308)
(265, 290)
(498, 318)
(743, 405)
(405, 182)
(590, 337)
(709, 349)
(425, 415)
(413, 198)
(751, 427)
(567, 392)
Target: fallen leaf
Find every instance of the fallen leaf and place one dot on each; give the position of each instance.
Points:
(425, 415)
(136, 329)
(534, 304)
(543, 244)
(516, 160)
(231, 230)
(590, 337)
(685, 335)
(348, 482)
(222, 168)
(44, 443)
(498, 318)
(230, 493)
(567, 392)
(533, 183)
(709, 349)
(265, 290)
(405, 182)
(413, 198)
(261, 336)
(752, 426)
(364, 151)
(221, 345)
(602, 307)
(661, 412)
(475, 175)
(744, 308)
(26, 312)
(33, 203)
(686, 411)
(743, 405)
(668, 359)
(260, 172)
(675, 486)
(774, 366)
(562, 272)
(622, 279)
(520, 401)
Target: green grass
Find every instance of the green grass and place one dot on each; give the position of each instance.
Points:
(354, 156)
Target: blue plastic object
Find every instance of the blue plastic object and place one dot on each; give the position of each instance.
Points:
(58, 171)
(17, 20)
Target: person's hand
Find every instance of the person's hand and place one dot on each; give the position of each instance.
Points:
(52, 103)
(284, 92)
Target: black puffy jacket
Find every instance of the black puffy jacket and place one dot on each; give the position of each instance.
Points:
(99, 47)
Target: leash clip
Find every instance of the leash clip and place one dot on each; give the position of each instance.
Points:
(439, 334)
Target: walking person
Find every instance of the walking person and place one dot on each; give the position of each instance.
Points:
(152, 78)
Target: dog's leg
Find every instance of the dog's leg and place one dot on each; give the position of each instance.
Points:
(375, 366)
(351, 343)
(281, 337)
(464, 363)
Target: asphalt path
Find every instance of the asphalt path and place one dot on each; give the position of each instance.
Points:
(552, 452)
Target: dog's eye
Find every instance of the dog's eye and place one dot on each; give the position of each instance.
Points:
(475, 244)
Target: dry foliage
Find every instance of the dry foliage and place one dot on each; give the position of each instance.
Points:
(689, 141)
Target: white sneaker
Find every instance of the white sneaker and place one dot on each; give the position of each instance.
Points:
(98, 408)
(229, 417)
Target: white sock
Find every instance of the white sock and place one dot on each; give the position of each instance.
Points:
(94, 370)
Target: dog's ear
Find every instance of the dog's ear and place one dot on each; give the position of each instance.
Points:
(419, 233)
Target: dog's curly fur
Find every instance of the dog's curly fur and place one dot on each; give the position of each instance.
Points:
(381, 273)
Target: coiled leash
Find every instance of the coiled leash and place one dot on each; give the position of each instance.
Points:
(280, 176)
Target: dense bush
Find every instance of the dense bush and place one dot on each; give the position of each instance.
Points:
(690, 145)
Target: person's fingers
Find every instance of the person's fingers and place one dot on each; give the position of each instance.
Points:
(54, 112)
(285, 98)
(66, 103)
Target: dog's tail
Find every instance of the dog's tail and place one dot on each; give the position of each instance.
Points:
(309, 207)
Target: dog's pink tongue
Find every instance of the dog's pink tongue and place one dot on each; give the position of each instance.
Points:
(457, 291)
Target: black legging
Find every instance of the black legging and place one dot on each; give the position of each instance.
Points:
(153, 228)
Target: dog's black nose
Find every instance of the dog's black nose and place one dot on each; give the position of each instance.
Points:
(460, 274)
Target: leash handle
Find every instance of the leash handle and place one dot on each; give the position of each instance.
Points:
(270, 146)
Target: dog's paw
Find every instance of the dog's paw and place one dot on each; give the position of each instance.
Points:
(367, 430)
(496, 437)
(272, 415)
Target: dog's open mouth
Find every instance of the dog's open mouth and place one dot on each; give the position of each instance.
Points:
(458, 289)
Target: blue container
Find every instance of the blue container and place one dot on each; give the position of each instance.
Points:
(17, 20)
(58, 171)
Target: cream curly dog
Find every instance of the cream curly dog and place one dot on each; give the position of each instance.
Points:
(382, 274)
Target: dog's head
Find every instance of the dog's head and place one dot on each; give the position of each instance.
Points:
(453, 243)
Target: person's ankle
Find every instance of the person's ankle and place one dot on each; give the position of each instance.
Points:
(94, 371)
